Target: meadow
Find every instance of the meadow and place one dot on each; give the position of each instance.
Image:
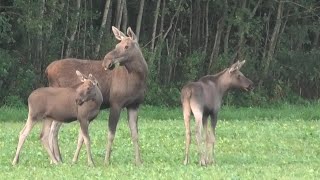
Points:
(280, 142)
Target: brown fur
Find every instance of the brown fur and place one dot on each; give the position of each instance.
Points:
(203, 98)
(63, 105)
(122, 87)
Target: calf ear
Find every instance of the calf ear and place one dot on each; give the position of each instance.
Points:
(131, 34)
(80, 76)
(117, 33)
(93, 79)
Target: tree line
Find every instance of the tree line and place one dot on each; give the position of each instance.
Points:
(182, 40)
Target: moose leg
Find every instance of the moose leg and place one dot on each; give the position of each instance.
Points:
(198, 114)
(23, 135)
(85, 135)
(45, 138)
(53, 139)
(133, 121)
(80, 142)
(205, 134)
(186, 117)
(113, 121)
(211, 139)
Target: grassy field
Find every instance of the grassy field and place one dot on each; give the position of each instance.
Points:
(252, 143)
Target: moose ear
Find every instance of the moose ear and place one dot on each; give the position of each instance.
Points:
(241, 63)
(93, 79)
(117, 33)
(236, 66)
(131, 34)
(80, 76)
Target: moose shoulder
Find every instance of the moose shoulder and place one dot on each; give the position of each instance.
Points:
(203, 98)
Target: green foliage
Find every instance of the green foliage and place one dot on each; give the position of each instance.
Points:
(16, 81)
(252, 143)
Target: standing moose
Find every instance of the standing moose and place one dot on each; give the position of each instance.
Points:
(67, 104)
(122, 87)
(203, 98)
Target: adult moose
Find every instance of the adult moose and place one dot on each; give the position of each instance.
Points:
(67, 104)
(122, 87)
(203, 98)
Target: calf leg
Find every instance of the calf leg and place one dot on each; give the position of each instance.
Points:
(133, 120)
(45, 138)
(198, 114)
(186, 116)
(23, 135)
(113, 121)
(80, 142)
(85, 135)
(53, 139)
(211, 139)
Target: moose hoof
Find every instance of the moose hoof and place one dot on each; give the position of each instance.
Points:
(186, 161)
(202, 162)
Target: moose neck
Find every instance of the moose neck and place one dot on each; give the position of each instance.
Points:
(223, 82)
(138, 65)
(220, 80)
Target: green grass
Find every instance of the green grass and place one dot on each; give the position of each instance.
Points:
(252, 143)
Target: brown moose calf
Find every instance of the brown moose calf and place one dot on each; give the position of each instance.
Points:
(203, 98)
(81, 102)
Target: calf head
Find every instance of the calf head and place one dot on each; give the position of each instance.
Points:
(87, 90)
(236, 78)
(124, 50)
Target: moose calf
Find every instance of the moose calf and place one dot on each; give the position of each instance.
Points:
(203, 98)
(81, 102)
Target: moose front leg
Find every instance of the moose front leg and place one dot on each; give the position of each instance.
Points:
(113, 121)
(133, 124)
(211, 139)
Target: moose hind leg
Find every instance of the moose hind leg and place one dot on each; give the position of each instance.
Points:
(186, 116)
(133, 125)
(23, 135)
(198, 114)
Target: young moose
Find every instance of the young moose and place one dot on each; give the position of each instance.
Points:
(203, 98)
(63, 105)
(121, 87)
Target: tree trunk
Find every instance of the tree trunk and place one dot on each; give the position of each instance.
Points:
(207, 27)
(102, 28)
(74, 30)
(40, 39)
(85, 32)
(119, 13)
(216, 46)
(154, 29)
(161, 37)
(190, 28)
(226, 39)
(124, 16)
(139, 19)
(65, 31)
(274, 39)
(316, 40)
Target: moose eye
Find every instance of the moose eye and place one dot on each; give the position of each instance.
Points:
(126, 47)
